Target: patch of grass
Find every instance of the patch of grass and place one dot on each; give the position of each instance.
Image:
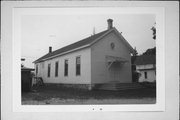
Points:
(63, 93)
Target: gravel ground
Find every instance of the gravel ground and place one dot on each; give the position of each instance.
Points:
(60, 96)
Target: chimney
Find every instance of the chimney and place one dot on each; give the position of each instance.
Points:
(50, 49)
(110, 23)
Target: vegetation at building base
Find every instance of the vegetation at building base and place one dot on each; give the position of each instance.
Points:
(149, 84)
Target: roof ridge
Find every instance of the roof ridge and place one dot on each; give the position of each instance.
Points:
(80, 43)
(81, 40)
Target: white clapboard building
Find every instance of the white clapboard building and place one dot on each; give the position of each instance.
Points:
(102, 58)
(146, 66)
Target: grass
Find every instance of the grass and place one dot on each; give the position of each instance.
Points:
(62, 95)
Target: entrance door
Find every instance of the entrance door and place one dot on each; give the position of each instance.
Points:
(114, 73)
(111, 72)
(114, 68)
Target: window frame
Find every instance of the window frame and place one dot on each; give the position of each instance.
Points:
(77, 66)
(56, 68)
(66, 73)
(49, 70)
(145, 75)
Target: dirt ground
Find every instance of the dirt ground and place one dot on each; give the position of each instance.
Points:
(49, 95)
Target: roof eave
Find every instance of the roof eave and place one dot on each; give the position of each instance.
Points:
(79, 48)
(37, 61)
(100, 37)
(88, 45)
(125, 41)
(82, 47)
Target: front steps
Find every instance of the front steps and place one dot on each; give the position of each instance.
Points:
(118, 86)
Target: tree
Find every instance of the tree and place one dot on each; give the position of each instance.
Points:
(150, 51)
(22, 59)
(154, 31)
(135, 53)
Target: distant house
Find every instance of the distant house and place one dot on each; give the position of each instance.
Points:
(146, 66)
(104, 57)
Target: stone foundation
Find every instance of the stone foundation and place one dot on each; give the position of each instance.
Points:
(74, 86)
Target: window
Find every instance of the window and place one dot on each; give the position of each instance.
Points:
(145, 75)
(49, 69)
(66, 68)
(56, 69)
(112, 46)
(36, 69)
(78, 66)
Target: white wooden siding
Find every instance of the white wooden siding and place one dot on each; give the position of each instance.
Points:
(151, 75)
(100, 50)
(84, 78)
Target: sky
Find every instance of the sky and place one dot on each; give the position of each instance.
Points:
(38, 32)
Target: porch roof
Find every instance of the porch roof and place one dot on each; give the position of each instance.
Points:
(115, 60)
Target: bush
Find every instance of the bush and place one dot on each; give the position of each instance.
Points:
(149, 84)
(135, 76)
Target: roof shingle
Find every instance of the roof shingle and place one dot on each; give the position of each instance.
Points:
(80, 43)
(145, 59)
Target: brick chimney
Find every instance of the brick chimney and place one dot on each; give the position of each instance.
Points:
(110, 23)
(50, 49)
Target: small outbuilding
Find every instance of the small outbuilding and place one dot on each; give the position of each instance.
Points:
(26, 79)
(146, 66)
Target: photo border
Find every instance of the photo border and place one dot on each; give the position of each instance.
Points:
(160, 60)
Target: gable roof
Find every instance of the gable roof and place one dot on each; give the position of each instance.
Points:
(82, 43)
(145, 59)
